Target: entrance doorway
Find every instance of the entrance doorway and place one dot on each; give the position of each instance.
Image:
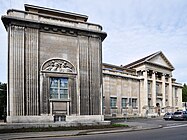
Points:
(158, 108)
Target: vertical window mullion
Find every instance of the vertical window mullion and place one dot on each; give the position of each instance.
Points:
(58, 88)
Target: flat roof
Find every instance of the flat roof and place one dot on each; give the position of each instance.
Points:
(54, 12)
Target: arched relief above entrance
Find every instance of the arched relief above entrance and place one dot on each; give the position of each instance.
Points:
(58, 65)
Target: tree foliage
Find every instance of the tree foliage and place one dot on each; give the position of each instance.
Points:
(3, 99)
(184, 93)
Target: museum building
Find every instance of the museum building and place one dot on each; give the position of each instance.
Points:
(142, 88)
(55, 72)
(54, 66)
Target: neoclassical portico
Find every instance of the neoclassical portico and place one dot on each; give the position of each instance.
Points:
(158, 86)
(149, 80)
(158, 83)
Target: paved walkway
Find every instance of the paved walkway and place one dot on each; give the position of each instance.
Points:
(134, 126)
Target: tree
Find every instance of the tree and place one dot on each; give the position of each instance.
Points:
(184, 93)
(3, 100)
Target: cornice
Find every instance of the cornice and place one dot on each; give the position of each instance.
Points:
(157, 65)
(49, 27)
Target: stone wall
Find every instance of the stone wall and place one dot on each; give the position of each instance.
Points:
(39, 37)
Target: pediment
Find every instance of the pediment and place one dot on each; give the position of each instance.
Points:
(157, 58)
(160, 60)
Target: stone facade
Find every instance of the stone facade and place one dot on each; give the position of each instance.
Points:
(55, 72)
(54, 66)
(142, 88)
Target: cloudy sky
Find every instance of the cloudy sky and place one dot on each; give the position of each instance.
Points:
(135, 28)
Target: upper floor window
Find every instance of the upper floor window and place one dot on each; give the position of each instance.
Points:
(58, 88)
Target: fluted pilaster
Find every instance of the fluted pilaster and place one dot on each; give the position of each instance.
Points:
(16, 70)
(31, 71)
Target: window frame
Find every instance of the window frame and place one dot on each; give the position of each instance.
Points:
(112, 105)
(124, 105)
(134, 104)
(59, 88)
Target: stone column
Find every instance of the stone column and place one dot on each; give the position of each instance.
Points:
(170, 92)
(145, 95)
(153, 89)
(163, 91)
(173, 97)
(180, 97)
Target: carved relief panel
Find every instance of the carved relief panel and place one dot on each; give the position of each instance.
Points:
(58, 65)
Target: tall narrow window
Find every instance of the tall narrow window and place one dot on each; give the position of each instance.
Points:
(134, 103)
(176, 93)
(58, 88)
(149, 102)
(124, 102)
(130, 101)
(149, 88)
(103, 101)
(157, 89)
(113, 101)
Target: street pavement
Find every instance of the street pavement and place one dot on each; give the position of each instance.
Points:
(135, 125)
(170, 133)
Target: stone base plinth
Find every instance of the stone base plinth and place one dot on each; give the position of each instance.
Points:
(50, 119)
(85, 118)
(30, 119)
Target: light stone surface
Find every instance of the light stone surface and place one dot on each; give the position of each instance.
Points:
(30, 119)
(39, 35)
(122, 82)
(85, 118)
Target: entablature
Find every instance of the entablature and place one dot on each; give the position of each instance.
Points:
(46, 24)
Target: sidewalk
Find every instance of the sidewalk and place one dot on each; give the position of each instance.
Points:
(134, 126)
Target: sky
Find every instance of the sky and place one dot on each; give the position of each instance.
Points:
(135, 29)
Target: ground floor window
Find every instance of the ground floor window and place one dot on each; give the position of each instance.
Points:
(103, 101)
(149, 102)
(124, 102)
(130, 102)
(58, 88)
(134, 102)
(113, 101)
